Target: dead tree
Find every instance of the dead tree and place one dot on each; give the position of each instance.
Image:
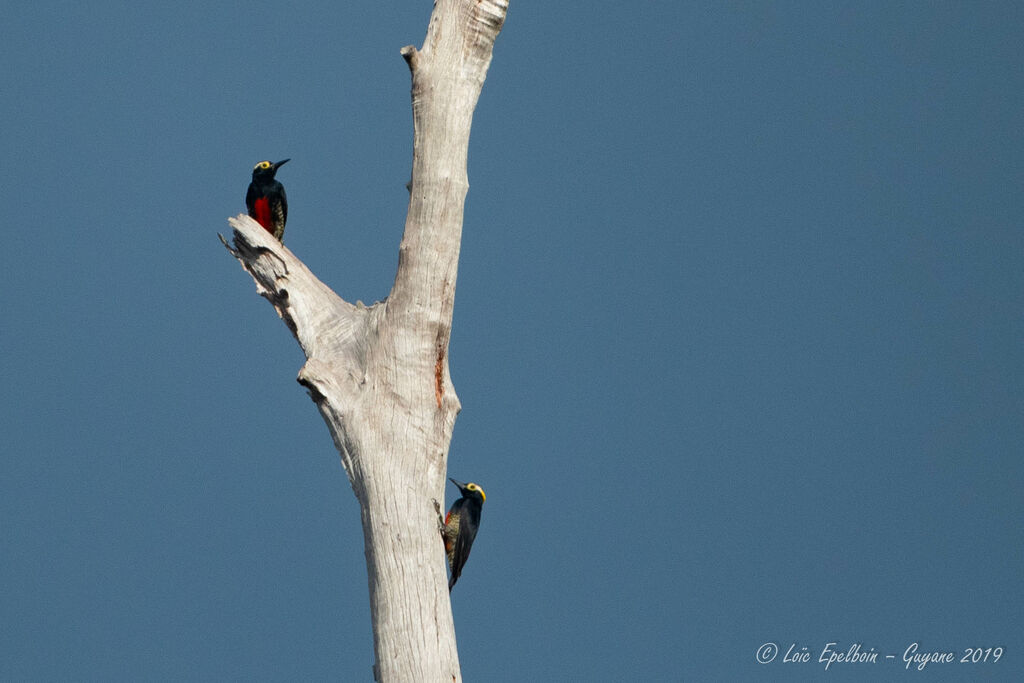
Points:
(379, 374)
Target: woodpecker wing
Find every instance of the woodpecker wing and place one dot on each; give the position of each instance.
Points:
(281, 209)
(250, 198)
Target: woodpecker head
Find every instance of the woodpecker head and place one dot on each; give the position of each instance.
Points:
(470, 490)
(266, 170)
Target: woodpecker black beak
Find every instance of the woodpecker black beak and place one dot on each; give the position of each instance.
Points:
(280, 164)
(457, 483)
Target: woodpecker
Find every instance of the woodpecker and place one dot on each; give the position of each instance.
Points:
(266, 200)
(460, 526)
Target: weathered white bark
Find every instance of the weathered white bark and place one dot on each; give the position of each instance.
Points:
(379, 375)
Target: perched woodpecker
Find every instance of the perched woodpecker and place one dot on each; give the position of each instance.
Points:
(460, 526)
(266, 200)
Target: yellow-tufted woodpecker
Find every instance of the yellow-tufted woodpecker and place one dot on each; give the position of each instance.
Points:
(266, 200)
(460, 526)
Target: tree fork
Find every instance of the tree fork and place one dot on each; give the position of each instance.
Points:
(379, 375)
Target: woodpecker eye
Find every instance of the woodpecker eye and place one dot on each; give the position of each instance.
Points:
(264, 165)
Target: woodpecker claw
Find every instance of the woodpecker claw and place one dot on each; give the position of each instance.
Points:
(440, 519)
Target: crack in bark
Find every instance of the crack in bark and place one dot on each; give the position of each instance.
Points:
(439, 375)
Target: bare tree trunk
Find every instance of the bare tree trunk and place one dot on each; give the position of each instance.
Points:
(379, 375)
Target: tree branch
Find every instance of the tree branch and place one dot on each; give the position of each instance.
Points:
(323, 323)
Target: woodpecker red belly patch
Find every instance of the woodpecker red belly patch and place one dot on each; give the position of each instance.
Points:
(261, 207)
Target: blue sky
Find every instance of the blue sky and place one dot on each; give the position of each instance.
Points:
(738, 337)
